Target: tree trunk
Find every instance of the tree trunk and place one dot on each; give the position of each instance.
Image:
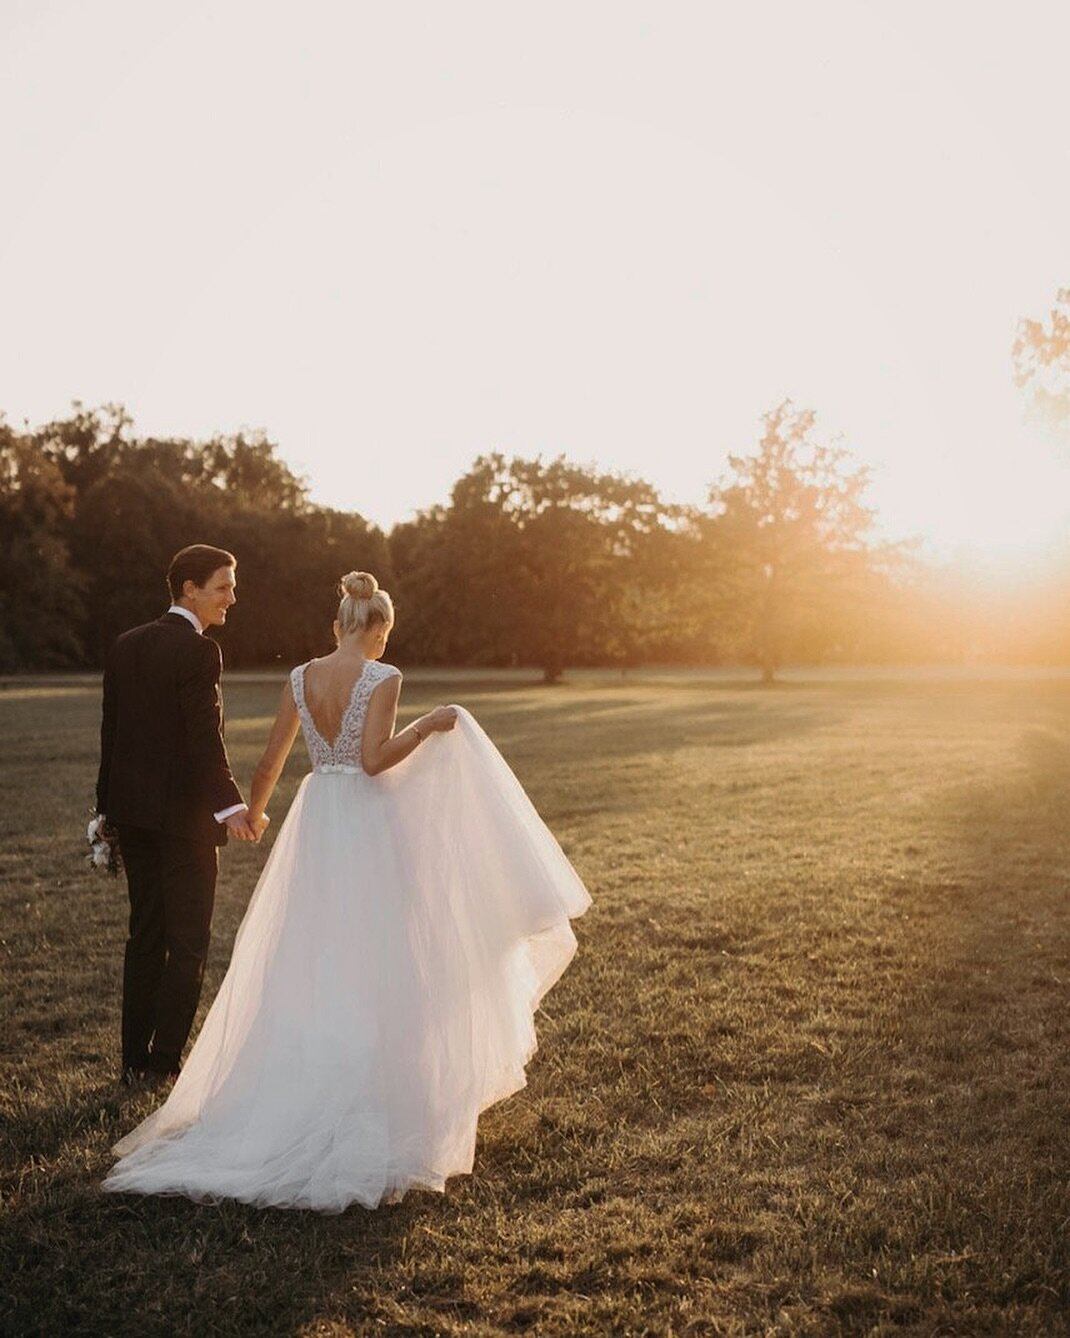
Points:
(552, 669)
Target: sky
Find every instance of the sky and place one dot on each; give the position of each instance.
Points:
(398, 236)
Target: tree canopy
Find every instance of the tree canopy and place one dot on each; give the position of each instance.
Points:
(535, 563)
(789, 539)
(532, 562)
(93, 516)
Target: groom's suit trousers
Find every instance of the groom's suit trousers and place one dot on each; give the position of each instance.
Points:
(171, 881)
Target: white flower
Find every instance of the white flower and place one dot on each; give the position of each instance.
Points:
(103, 853)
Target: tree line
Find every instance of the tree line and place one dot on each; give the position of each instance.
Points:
(531, 562)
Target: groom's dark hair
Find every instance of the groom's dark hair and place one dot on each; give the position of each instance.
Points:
(196, 563)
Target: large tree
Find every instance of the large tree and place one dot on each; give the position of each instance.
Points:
(132, 502)
(290, 555)
(788, 540)
(289, 565)
(536, 562)
(1041, 355)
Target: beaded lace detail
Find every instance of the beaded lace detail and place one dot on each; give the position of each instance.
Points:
(343, 754)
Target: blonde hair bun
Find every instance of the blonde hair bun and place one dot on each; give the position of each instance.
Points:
(363, 603)
(358, 585)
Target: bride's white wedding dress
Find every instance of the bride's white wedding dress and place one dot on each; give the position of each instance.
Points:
(382, 987)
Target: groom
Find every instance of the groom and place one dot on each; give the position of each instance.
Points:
(165, 785)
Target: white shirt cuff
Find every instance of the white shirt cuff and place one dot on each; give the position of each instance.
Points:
(225, 813)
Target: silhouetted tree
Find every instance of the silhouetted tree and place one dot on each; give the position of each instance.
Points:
(787, 538)
(534, 562)
(531, 562)
(431, 602)
(133, 503)
(85, 447)
(289, 564)
(290, 555)
(243, 466)
(124, 532)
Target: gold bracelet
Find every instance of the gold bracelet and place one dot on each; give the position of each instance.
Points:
(416, 731)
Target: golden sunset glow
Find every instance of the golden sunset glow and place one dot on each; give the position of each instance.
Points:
(400, 237)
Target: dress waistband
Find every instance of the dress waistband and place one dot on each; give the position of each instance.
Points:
(330, 768)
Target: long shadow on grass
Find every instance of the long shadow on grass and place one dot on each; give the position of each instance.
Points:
(84, 1262)
(1009, 953)
(1011, 843)
(617, 726)
(976, 1091)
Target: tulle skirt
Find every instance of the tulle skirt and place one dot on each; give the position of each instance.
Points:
(381, 992)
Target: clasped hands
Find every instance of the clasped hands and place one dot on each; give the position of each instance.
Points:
(247, 826)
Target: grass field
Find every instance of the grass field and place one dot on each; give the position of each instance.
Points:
(808, 1073)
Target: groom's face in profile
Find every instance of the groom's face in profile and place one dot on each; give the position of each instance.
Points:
(211, 600)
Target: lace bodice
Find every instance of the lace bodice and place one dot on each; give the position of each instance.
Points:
(343, 754)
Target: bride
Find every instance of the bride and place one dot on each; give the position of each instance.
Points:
(411, 915)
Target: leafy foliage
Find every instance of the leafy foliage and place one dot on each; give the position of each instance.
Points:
(532, 562)
(40, 591)
(789, 535)
(1041, 354)
(97, 515)
(535, 563)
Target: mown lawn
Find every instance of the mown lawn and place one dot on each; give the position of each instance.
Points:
(808, 1073)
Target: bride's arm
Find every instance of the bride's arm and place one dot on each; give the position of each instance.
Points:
(269, 768)
(380, 747)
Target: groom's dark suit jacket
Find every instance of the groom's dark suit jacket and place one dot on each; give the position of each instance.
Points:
(163, 764)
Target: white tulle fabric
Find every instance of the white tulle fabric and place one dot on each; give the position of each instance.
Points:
(383, 983)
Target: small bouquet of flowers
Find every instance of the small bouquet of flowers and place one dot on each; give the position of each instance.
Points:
(104, 850)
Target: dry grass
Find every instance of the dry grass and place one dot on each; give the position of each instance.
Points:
(807, 1075)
